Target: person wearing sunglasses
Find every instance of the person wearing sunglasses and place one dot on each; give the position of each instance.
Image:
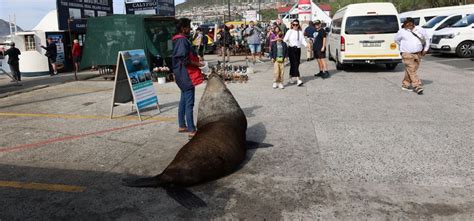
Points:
(295, 39)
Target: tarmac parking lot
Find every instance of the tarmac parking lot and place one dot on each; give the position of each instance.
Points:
(451, 60)
(351, 147)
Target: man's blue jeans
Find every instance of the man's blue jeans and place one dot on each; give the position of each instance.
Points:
(185, 110)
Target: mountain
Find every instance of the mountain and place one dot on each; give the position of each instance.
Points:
(4, 28)
(188, 4)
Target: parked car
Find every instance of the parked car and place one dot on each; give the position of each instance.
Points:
(364, 34)
(457, 39)
(444, 21)
(422, 16)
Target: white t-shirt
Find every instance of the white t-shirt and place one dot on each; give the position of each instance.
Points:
(295, 38)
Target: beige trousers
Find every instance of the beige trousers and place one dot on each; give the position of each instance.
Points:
(278, 71)
(309, 49)
(412, 63)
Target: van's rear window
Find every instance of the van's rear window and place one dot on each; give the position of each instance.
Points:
(377, 24)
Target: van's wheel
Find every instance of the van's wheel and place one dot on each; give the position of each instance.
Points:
(391, 66)
(339, 66)
(464, 49)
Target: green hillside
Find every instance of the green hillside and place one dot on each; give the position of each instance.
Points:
(402, 5)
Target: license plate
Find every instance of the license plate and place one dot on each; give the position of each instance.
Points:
(371, 44)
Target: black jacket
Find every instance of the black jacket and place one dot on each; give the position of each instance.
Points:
(273, 52)
(51, 50)
(13, 55)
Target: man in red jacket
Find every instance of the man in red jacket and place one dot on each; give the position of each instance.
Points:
(76, 56)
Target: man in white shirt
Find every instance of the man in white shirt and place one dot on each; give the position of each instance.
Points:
(413, 42)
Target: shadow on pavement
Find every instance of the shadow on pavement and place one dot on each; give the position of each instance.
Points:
(53, 98)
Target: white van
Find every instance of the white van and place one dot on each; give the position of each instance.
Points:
(457, 39)
(364, 34)
(422, 16)
(443, 21)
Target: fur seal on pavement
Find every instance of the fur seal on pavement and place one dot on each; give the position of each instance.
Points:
(217, 149)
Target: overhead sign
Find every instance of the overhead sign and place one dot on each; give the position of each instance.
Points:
(304, 7)
(250, 15)
(158, 7)
(133, 82)
(141, 6)
(166, 8)
(73, 14)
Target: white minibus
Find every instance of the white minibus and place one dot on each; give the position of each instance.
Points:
(444, 21)
(422, 16)
(364, 34)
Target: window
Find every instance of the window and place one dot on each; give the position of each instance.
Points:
(466, 21)
(336, 26)
(379, 24)
(428, 18)
(449, 22)
(434, 21)
(30, 44)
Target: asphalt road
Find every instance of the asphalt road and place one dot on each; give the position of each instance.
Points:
(352, 147)
(451, 60)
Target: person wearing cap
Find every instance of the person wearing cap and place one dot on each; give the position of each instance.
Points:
(413, 42)
(319, 48)
(13, 61)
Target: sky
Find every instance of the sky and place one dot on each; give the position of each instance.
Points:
(30, 12)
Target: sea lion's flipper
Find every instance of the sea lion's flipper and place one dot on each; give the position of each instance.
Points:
(185, 197)
(254, 145)
(141, 182)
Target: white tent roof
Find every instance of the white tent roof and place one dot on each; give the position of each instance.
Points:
(49, 22)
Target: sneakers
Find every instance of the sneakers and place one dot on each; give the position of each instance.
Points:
(280, 85)
(319, 74)
(292, 81)
(299, 83)
(406, 88)
(275, 85)
(325, 75)
(419, 90)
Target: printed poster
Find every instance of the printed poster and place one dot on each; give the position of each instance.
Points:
(140, 78)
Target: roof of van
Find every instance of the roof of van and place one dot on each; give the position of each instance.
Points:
(364, 8)
(438, 11)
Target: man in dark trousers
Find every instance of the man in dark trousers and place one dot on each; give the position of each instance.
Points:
(51, 53)
(13, 61)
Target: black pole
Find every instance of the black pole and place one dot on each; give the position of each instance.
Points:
(228, 8)
(259, 16)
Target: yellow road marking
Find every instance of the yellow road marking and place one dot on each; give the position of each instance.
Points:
(75, 116)
(42, 186)
(371, 55)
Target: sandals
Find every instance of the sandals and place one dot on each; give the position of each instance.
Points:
(182, 130)
(191, 134)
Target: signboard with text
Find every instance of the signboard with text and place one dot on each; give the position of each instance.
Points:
(158, 7)
(73, 14)
(133, 82)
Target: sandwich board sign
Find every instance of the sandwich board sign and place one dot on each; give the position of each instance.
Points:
(133, 85)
